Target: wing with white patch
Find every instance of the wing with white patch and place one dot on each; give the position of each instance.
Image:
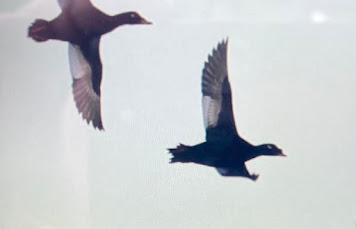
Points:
(217, 105)
(86, 89)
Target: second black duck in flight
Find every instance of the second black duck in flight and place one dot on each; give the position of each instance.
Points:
(224, 149)
(81, 24)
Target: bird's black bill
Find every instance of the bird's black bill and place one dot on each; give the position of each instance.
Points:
(282, 154)
(145, 22)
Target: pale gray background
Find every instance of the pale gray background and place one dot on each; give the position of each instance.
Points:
(292, 68)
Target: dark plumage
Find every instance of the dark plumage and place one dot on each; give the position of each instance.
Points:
(224, 149)
(82, 25)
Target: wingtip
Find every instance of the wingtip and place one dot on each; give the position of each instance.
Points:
(88, 120)
(99, 127)
(224, 41)
(220, 48)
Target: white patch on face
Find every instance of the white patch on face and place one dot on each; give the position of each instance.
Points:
(269, 147)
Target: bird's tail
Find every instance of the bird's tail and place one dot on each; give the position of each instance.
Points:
(180, 153)
(39, 30)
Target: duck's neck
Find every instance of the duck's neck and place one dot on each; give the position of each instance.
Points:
(120, 19)
(260, 150)
(113, 22)
(254, 153)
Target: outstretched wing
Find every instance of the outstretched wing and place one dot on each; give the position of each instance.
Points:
(86, 70)
(217, 108)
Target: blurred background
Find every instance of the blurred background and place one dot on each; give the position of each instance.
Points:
(292, 72)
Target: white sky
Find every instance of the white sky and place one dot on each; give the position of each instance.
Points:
(292, 70)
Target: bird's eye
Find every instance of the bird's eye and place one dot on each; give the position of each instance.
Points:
(269, 147)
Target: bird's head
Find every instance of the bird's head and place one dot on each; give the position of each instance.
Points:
(270, 150)
(134, 18)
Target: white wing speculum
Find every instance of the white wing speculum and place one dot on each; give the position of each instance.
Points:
(211, 110)
(79, 67)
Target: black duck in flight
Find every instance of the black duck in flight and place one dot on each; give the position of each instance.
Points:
(224, 149)
(81, 24)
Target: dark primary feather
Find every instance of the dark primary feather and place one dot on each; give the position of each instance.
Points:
(82, 25)
(217, 104)
(86, 73)
(224, 149)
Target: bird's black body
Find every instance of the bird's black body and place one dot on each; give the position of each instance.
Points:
(217, 154)
(82, 25)
(224, 149)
